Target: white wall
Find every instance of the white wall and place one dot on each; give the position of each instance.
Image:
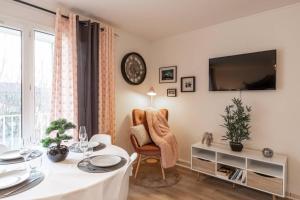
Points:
(276, 114)
(128, 96)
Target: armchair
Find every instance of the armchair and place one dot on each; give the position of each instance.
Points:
(139, 117)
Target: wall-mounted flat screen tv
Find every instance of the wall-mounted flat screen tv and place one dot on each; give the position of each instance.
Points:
(251, 71)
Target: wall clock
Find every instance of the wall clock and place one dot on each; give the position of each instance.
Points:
(133, 68)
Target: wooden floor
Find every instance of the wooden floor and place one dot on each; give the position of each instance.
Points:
(192, 188)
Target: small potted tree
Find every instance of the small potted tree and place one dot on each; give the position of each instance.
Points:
(236, 121)
(57, 152)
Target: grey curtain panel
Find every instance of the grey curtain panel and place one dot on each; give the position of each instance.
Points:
(88, 75)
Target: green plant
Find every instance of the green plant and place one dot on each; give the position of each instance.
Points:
(60, 125)
(236, 121)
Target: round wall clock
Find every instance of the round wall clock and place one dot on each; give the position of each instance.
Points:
(133, 68)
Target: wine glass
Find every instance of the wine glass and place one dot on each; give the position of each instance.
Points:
(84, 145)
(82, 133)
(35, 139)
(25, 147)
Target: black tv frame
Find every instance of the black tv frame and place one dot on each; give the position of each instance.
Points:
(272, 52)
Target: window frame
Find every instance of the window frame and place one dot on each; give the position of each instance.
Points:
(27, 29)
(33, 74)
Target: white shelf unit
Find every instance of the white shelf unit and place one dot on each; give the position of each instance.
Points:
(268, 169)
(204, 154)
(264, 174)
(230, 160)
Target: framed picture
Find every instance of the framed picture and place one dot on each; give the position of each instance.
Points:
(172, 92)
(168, 74)
(188, 84)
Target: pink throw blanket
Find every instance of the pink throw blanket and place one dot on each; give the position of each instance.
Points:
(161, 135)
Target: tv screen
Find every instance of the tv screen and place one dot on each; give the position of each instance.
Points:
(251, 71)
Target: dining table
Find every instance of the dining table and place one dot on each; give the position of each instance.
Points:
(65, 181)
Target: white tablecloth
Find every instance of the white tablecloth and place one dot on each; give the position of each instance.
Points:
(64, 181)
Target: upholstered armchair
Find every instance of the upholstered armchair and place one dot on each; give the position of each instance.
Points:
(148, 150)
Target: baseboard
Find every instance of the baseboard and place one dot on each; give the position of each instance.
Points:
(184, 163)
(292, 196)
(187, 164)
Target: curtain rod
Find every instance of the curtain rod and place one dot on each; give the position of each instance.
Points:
(40, 8)
(43, 9)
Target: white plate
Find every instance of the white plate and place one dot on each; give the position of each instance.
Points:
(12, 178)
(105, 160)
(10, 155)
(93, 144)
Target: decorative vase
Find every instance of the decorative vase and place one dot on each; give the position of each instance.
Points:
(58, 153)
(236, 146)
(267, 152)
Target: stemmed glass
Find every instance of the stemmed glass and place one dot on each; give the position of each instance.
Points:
(84, 144)
(82, 133)
(25, 148)
(35, 139)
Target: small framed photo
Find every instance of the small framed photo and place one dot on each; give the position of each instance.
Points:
(168, 74)
(172, 92)
(188, 84)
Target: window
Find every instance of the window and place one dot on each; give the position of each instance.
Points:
(10, 85)
(43, 59)
(26, 63)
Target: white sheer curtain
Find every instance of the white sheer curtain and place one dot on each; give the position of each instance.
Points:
(106, 110)
(64, 86)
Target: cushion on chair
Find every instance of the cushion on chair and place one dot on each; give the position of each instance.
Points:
(150, 148)
(141, 134)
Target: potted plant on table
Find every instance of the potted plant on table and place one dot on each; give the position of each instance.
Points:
(237, 123)
(57, 152)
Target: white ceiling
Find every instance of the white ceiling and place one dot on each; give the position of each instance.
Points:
(155, 19)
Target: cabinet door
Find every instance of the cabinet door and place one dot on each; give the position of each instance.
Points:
(265, 183)
(203, 166)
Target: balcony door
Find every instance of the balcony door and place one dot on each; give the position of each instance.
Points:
(26, 63)
(10, 86)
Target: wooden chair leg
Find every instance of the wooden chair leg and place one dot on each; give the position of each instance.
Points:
(162, 170)
(138, 165)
